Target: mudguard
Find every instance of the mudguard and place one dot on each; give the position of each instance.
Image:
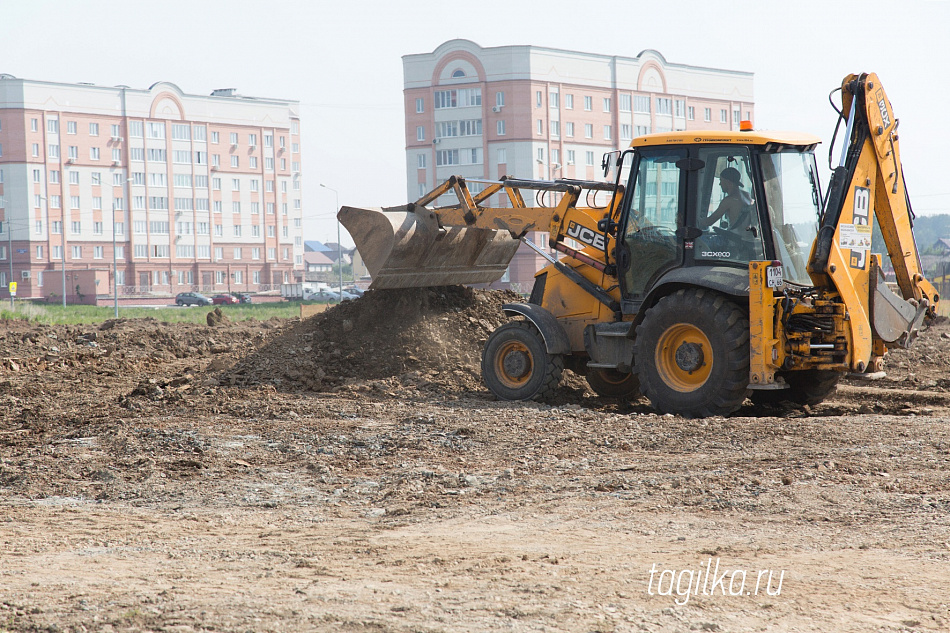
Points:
(555, 338)
(733, 282)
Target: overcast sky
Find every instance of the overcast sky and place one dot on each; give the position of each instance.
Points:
(319, 51)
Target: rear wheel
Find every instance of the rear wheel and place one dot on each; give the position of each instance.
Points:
(611, 383)
(806, 387)
(517, 366)
(692, 354)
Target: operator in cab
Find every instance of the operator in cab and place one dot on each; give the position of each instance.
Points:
(736, 206)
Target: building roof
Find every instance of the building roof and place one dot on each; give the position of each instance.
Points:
(317, 258)
(314, 246)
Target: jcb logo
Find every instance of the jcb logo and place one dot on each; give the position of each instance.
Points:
(585, 235)
(862, 212)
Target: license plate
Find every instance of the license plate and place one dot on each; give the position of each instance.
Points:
(773, 276)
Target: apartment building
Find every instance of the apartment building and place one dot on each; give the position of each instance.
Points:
(534, 112)
(152, 191)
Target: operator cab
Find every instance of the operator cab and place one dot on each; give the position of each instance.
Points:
(703, 205)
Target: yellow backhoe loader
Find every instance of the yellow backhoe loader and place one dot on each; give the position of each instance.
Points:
(714, 272)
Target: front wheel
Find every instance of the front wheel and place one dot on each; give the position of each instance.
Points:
(692, 354)
(517, 366)
(611, 383)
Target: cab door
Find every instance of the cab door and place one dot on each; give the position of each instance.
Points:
(649, 242)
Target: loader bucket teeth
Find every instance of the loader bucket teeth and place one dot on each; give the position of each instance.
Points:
(405, 249)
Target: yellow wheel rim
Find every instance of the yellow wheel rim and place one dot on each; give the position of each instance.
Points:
(684, 357)
(514, 364)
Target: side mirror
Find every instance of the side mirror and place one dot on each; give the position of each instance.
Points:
(610, 162)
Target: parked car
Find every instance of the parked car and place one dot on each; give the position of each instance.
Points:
(243, 297)
(192, 299)
(353, 290)
(224, 299)
(328, 295)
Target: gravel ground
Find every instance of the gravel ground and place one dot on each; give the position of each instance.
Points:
(173, 477)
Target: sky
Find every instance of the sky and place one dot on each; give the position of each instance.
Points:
(343, 62)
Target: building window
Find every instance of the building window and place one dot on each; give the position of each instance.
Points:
(641, 103)
(555, 128)
(215, 137)
(624, 103)
(136, 129)
(77, 252)
(569, 129)
(234, 138)
(94, 153)
(606, 104)
(626, 132)
(735, 118)
(34, 125)
(181, 132)
(73, 202)
(723, 116)
(664, 105)
(252, 140)
(642, 129)
(541, 154)
(570, 157)
(421, 160)
(569, 101)
(420, 106)
(235, 161)
(54, 177)
(268, 163)
(607, 133)
(500, 127)
(155, 129)
(691, 113)
(93, 129)
(588, 130)
(97, 252)
(52, 126)
(588, 103)
(70, 127)
(97, 228)
(538, 99)
(36, 149)
(53, 151)
(589, 156)
(73, 152)
(555, 100)
(680, 108)
(540, 127)
(39, 252)
(500, 99)
(502, 156)
(707, 114)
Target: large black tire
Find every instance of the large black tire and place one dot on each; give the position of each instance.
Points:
(517, 366)
(692, 354)
(611, 383)
(806, 387)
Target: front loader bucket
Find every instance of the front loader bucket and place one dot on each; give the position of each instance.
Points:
(405, 249)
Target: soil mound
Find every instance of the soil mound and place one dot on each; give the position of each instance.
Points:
(421, 336)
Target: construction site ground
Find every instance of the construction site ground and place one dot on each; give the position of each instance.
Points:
(349, 472)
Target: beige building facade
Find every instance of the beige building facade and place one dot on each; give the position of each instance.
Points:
(535, 112)
(153, 191)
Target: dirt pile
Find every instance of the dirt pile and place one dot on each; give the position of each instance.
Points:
(419, 336)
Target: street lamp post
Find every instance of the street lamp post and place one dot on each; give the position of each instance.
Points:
(339, 244)
(6, 219)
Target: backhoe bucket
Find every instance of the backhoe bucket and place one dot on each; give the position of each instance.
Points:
(405, 249)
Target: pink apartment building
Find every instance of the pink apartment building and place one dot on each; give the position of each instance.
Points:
(533, 112)
(194, 192)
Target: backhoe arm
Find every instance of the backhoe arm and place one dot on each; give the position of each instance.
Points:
(869, 183)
